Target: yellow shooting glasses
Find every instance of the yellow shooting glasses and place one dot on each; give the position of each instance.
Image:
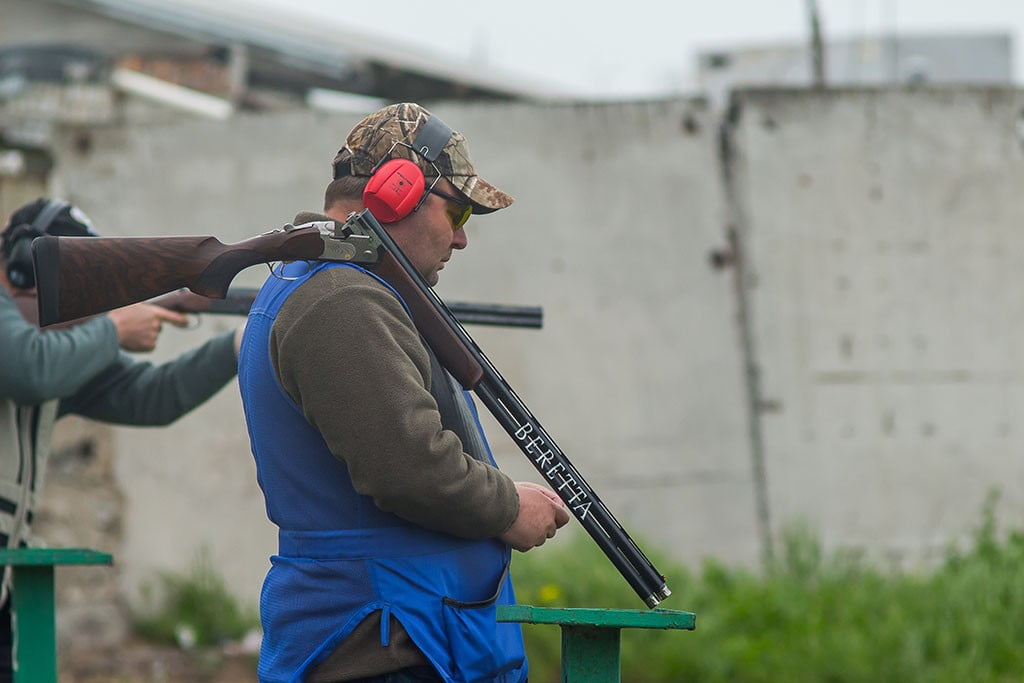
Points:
(459, 210)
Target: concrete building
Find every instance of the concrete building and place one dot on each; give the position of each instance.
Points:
(898, 59)
(70, 63)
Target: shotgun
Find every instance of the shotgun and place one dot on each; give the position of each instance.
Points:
(239, 300)
(68, 270)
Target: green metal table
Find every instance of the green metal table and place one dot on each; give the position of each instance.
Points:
(34, 603)
(590, 637)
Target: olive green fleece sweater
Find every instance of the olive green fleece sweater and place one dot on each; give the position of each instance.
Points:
(344, 349)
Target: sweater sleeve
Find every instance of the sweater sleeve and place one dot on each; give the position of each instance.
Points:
(140, 393)
(346, 352)
(43, 365)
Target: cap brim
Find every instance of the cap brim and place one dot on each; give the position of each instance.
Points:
(486, 198)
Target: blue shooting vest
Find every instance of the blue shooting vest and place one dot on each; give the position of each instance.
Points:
(341, 558)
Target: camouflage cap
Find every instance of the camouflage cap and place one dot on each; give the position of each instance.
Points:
(373, 140)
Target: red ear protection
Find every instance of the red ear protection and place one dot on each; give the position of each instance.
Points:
(394, 190)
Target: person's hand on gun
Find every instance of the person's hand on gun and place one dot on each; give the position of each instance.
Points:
(541, 514)
(139, 325)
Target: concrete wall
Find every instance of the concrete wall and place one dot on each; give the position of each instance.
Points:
(877, 236)
(883, 250)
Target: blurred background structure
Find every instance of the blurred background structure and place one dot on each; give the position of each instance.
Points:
(788, 292)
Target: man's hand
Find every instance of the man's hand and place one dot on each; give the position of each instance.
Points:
(138, 325)
(541, 514)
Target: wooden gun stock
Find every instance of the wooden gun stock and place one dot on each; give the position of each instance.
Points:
(81, 276)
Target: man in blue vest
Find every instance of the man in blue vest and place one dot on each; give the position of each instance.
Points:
(396, 528)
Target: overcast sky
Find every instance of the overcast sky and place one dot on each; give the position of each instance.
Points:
(642, 47)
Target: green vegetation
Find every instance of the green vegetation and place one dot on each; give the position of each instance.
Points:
(810, 618)
(193, 610)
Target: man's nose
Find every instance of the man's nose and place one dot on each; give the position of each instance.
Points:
(459, 238)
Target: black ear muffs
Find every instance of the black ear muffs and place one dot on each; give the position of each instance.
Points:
(20, 271)
(397, 186)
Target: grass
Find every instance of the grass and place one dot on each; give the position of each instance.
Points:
(193, 610)
(810, 617)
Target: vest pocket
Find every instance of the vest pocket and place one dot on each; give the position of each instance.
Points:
(481, 648)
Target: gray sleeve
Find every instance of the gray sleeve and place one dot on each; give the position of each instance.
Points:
(140, 393)
(346, 352)
(43, 365)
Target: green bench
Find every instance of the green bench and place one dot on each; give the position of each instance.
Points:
(590, 637)
(34, 602)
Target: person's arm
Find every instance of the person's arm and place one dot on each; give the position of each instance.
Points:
(141, 393)
(39, 366)
(347, 353)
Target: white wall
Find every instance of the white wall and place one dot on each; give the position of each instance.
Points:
(885, 250)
